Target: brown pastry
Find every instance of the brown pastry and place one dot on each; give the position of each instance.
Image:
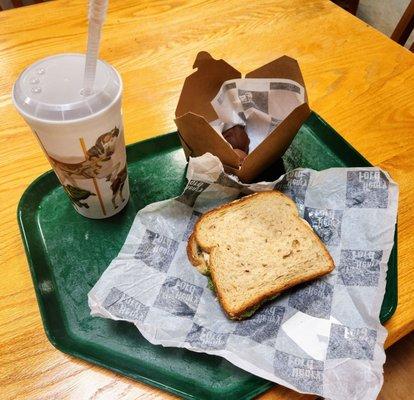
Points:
(238, 138)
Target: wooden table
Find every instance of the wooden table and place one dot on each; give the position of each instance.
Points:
(357, 79)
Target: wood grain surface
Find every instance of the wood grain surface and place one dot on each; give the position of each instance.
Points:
(399, 370)
(357, 79)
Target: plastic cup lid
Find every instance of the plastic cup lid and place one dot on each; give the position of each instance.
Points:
(51, 89)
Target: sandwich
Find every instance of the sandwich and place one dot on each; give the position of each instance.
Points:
(255, 248)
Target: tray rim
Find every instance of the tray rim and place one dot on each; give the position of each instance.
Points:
(49, 175)
(385, 316)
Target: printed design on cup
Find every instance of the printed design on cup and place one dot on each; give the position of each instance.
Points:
(254, 99)
(78, 195)
(314, 299)
(156, 251)
(178, 297)
(99, 163)
(94, 166)
(356, 343)
(263, 325)
(203, 338)
(359, 267)
(294, 184)
(117, 181)
(326, 223)
(190, 226)
(304, 373)
(285, 86)
(366, 189)
(192, 191)
(123, 306)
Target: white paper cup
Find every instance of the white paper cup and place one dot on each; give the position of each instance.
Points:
(82, 136)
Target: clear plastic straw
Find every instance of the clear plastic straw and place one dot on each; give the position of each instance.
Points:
(97, 13)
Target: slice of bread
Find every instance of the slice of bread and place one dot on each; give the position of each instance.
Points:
(255, 248)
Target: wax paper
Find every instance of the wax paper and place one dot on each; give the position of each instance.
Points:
(258, 104)
(323, 337)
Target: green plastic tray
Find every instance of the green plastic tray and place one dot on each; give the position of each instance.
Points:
(67, 254)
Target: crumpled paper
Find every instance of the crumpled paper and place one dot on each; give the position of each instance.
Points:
(323, 337)
(258, 104)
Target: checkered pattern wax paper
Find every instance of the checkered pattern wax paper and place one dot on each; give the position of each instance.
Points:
(259, 104)
(323, 337)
